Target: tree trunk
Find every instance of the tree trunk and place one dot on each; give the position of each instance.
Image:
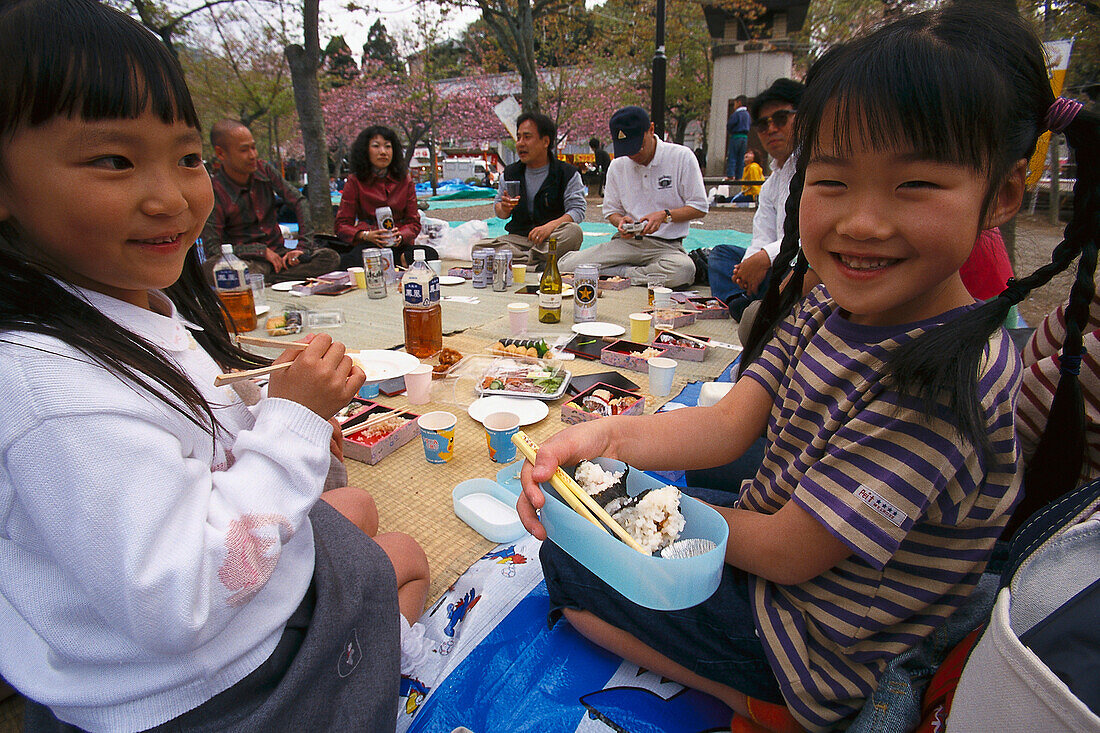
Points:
(304, 63)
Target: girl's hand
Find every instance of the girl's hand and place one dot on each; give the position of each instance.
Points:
(321, 378)
(567, 448)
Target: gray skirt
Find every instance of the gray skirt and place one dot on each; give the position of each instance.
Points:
(337, 664)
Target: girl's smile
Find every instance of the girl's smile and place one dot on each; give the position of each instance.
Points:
(112, 205)
(887, 231)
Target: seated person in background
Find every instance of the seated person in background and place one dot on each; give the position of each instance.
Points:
(740, 281)
(752, 172)
(551, 199)
(659, 186)
(246, 199)
(603, 160)
(378, 178)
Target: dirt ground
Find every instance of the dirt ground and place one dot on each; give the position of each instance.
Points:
(1035, 239)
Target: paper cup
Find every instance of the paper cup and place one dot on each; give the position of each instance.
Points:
(661, 372)
(437, 431)
(369, 390)
(662, 297)
(360, 276)
(418, 385)
(517, 317)
(639, 327)
(519, 274)
(499, 429)
(437, 266)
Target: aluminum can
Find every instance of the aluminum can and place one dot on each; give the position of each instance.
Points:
(375, 273)
(502, 268)
(483, 264)
(586, 287)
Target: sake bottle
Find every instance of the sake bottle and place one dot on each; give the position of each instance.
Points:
(550, 287)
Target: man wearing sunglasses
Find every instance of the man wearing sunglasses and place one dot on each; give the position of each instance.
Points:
(773, 113)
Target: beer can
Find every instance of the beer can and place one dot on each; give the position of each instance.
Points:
(375, 273)
(482, 257)
(586, 284)
(502, 268)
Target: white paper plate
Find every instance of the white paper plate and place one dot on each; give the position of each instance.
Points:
(598, 328)
(529, 411)
(567, 292)
(284, 287)
(451, 280)
(380, 364)
(261, 309)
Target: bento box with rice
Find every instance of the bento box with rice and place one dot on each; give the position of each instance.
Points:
(630, 355)
(381, 436)
(677, 347)
(602, 400)
(683, 540)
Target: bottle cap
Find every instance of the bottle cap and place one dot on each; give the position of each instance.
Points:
(227, 249)
(418, 255)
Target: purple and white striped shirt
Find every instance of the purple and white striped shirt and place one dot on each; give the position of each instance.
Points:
(917, 504)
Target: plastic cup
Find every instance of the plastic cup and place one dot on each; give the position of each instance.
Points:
(661, 372)
(662, 297)
(519, 274)
(517, 317)
(437, 266)
(437, 432)
(512, 189)
(418, 385)
(360, 276)
(499, 429)
(639, 327)
(651, 282)
(256, 282)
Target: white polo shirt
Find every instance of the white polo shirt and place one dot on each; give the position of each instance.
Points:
(671, 180)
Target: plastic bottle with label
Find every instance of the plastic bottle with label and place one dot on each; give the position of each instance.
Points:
(231, 285)
(422, 315)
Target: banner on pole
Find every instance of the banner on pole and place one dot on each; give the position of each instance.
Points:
(1057, 53)
(507, 110)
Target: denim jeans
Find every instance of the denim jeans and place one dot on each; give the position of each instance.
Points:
(735, 155)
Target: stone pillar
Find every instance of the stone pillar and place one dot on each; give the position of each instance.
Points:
(748, 68)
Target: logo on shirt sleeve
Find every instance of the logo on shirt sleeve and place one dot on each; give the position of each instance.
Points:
(893, 515)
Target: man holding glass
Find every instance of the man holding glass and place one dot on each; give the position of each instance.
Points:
(540, 196)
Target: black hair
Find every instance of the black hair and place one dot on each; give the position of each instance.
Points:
(83, 59)
(359, 157)
(594, 143)
(971, 88)
(781, 90)
(545, 127)
(742, 100)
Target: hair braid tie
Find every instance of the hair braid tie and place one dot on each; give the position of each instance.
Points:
(1070, 364)
(1061, 114)
(1015, 291)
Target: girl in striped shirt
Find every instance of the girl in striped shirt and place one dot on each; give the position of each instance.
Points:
(886, 395)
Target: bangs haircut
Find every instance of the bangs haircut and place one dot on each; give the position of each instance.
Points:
(54, 66)
(926, 84)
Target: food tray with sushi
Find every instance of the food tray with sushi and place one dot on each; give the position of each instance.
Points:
(530, 348)
(379, 440)
(653, 581)
(680, 348)
(630, 355)
(602, 400)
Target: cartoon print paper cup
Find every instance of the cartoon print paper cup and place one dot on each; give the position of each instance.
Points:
(437, 431)
(499, 429)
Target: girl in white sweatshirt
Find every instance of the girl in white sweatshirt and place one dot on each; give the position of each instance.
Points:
(164, 558)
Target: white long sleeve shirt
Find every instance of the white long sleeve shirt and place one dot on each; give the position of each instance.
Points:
(144, 566)
(671, 180)
(771, 211)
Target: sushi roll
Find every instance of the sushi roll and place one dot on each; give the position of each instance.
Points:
(652, 517)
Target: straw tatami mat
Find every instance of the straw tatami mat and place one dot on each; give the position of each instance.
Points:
(414, 496)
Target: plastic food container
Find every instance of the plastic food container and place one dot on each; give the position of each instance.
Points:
(510, 376)
(489, 508)
(653, 582)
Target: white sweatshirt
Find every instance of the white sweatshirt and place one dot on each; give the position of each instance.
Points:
(144, 568)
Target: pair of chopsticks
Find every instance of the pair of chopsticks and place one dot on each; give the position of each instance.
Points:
(230, 377)
(380, 417)
(702, 342)
(574, 495)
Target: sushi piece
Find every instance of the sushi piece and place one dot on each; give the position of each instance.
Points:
(652, 517)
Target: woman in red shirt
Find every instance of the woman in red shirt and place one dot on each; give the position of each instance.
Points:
(378, 178)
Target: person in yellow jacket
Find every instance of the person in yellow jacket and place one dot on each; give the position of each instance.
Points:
(753, 172)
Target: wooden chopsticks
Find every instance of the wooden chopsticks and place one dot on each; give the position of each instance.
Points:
(374, 420)
(574, 495)
(223, 379)
(677, 334)
(273, 343)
